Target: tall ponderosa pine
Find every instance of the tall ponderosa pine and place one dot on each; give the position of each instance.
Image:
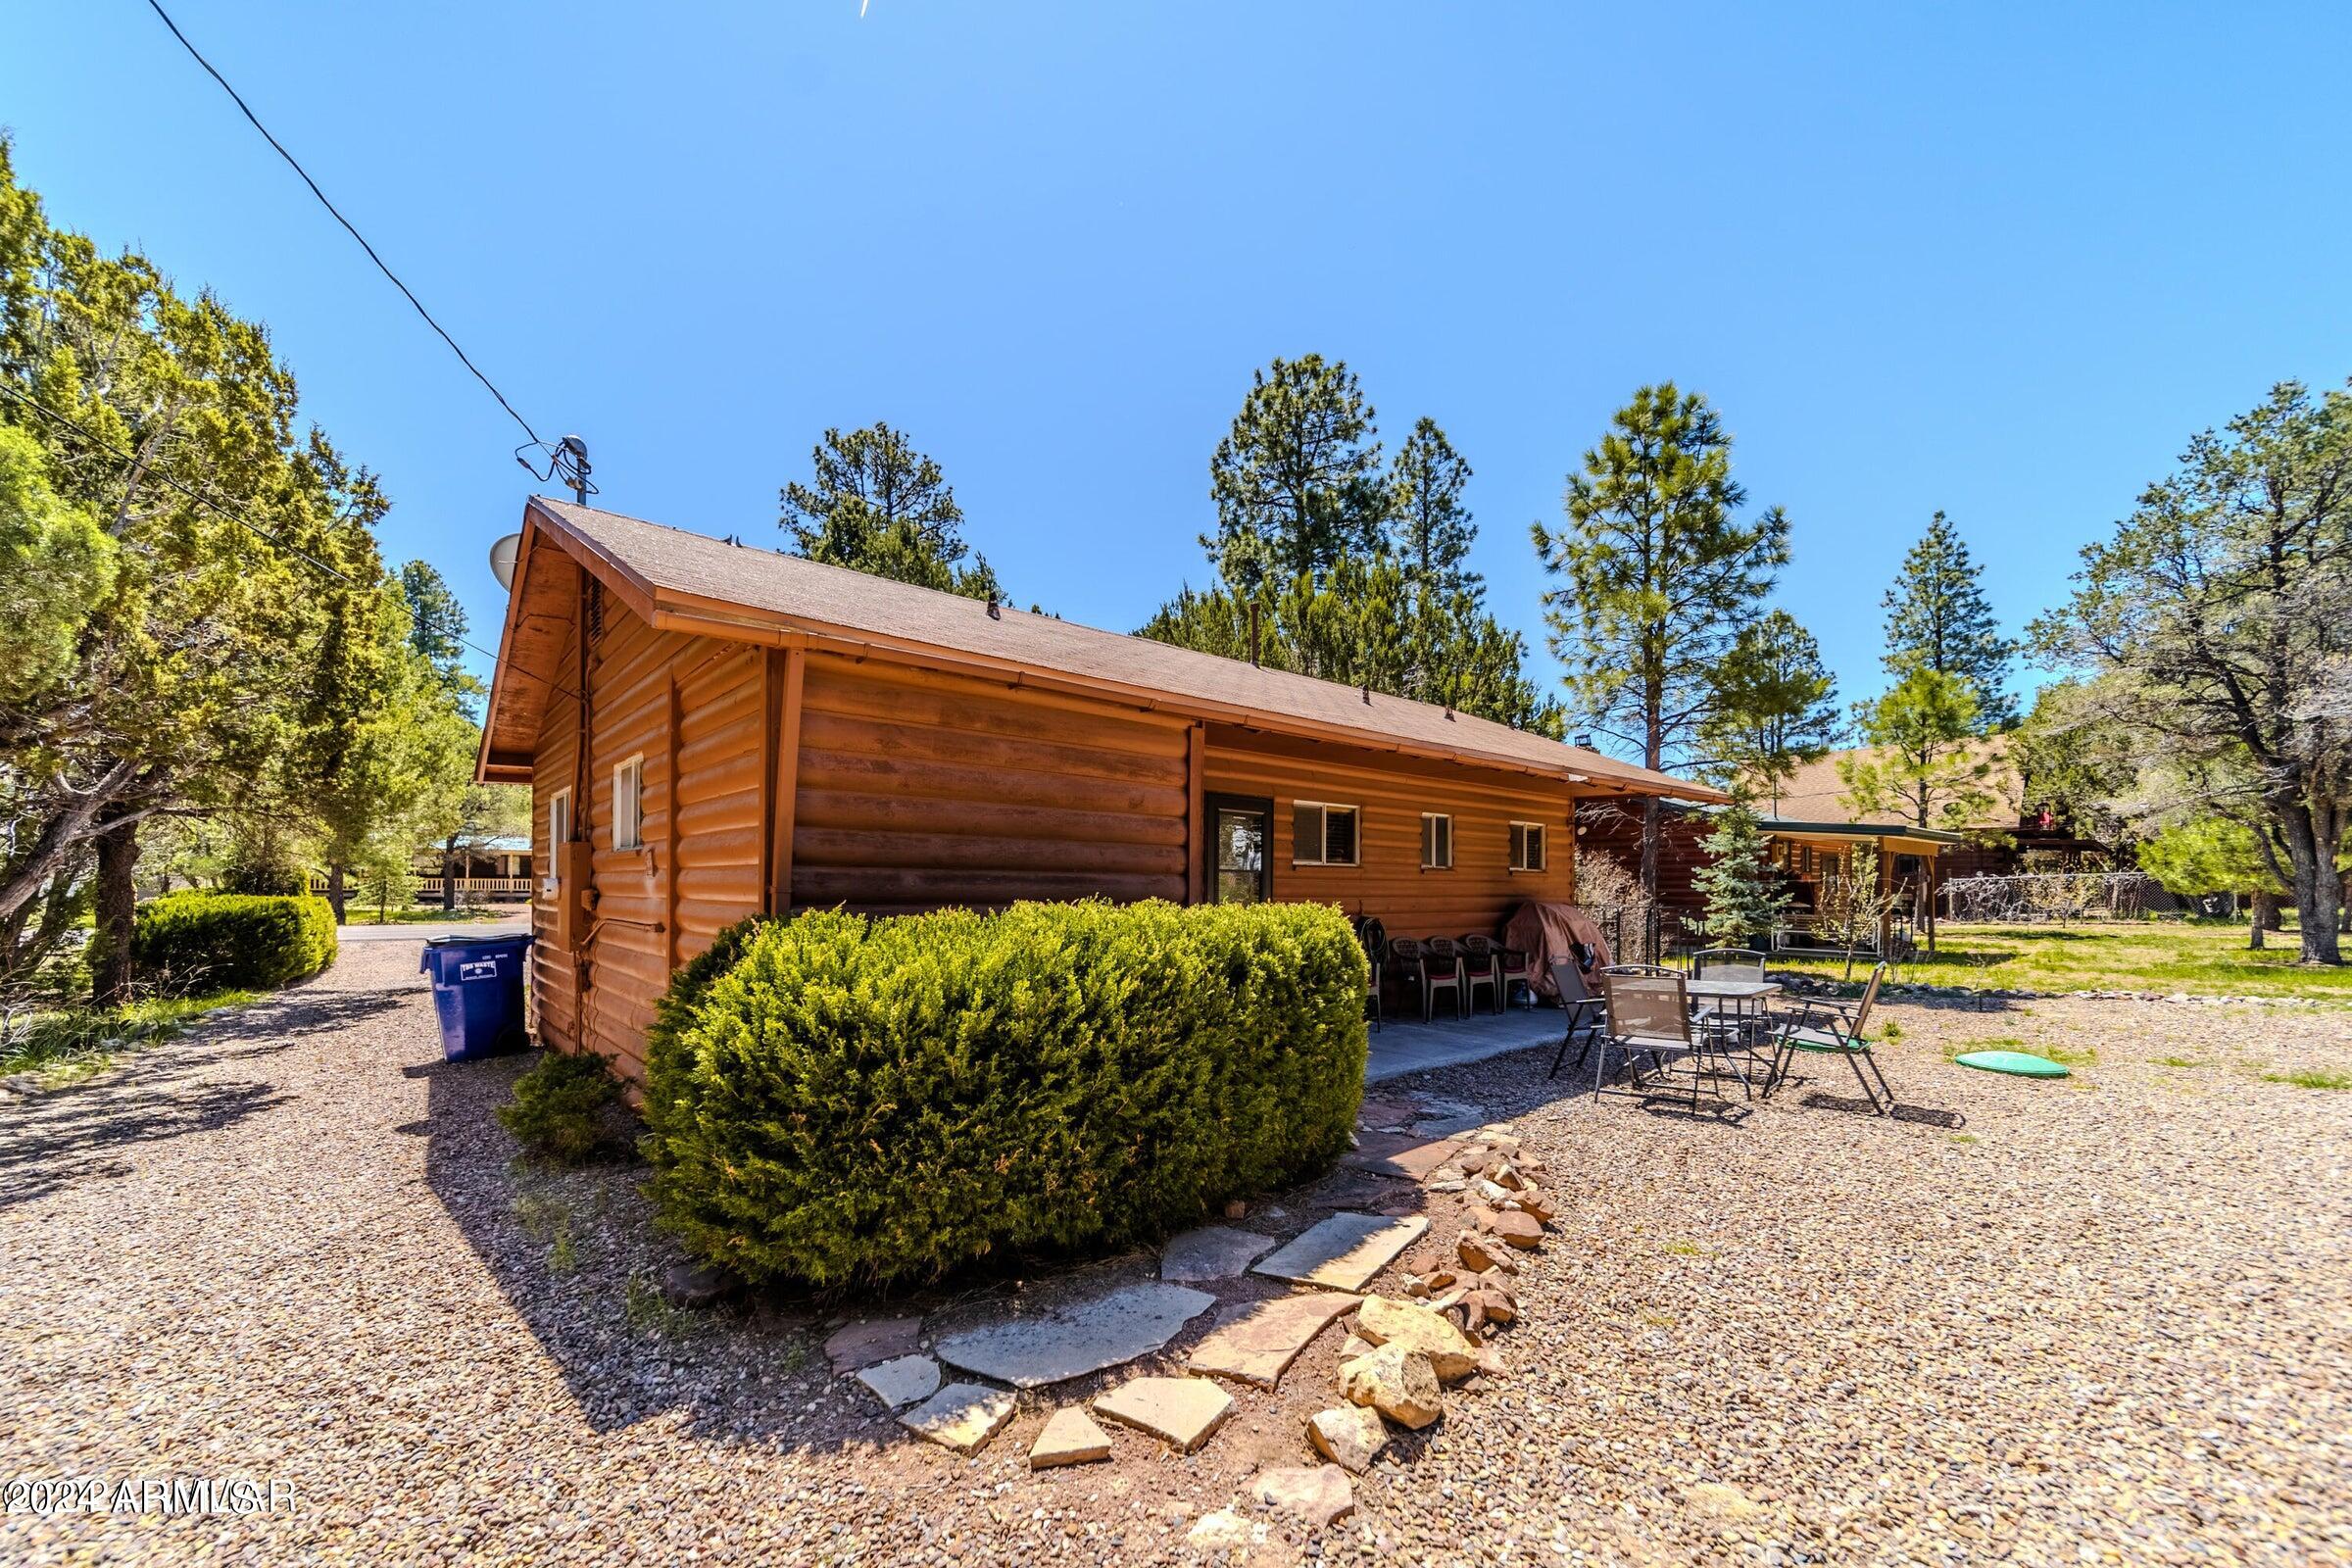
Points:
(1938, 619)
(1430, 529)
(875, 504)
(1365, 623)
(1297, 482)
(2220, 617)
(1922, 757)
(1301, 538)
(437, 625)
(1660, 574)
(1775, 708)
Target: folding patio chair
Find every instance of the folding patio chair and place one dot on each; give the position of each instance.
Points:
(1838, 1032)
(1482, 965)
(1650, 1014)
(1585, 1012)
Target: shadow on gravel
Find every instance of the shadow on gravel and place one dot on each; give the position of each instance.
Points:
(1855, 1105)
(61, 1139)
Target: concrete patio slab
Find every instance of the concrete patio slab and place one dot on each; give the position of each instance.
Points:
(1072, 1341)
(1343, 1252)
(1399, 1049)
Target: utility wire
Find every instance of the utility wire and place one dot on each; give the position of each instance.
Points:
(257, 530)
(195, 54)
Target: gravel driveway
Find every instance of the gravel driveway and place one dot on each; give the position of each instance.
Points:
(2100, 1320)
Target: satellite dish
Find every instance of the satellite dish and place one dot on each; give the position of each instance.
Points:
(502, 560)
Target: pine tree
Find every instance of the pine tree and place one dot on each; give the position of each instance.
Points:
(1660, 578)
(876, 504)
(1746, 895)
(1430, 530)
(1938, 619)
(1775, 708)
(1922, 758)
(437, 626)
(1296, 483)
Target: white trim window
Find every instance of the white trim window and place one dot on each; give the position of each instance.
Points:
(559, 831)
(1528, 846)
(628, 803)
(1323, 833)
(1437, 842)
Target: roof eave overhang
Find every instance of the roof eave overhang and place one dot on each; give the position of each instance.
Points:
(694, 615)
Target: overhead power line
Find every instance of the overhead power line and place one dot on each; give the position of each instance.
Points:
(293, 163)
(232, 514)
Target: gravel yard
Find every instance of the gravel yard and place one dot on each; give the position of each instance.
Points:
(2104, 1319)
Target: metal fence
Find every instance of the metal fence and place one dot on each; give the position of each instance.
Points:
(2047, 896)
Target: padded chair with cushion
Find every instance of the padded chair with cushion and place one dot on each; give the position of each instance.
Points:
(1827, 1028)
(1518, 970)
(1426, 975)
(1441, 971)
(1482, 965)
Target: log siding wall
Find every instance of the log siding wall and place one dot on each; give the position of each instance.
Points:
(789, 779)
(1391, 793)
(916, 790)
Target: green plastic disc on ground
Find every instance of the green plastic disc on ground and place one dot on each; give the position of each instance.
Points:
(2016, 1063)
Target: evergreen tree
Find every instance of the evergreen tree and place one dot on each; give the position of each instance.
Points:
(1660, 578)
(1429, 528)
(186, 683)
(1938, 619)
(876, 504)
(1745, 891)
(437, 625)
(1775, 708)
(1364, 623)
(1297, 482)
(1923, 758)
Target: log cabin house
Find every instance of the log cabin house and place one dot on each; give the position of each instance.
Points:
(711, 731)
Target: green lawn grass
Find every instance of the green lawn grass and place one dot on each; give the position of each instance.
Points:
(62, 1047)
(427, 914)
(2200, 959)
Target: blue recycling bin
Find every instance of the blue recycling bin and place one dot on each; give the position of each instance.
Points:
(477, 991)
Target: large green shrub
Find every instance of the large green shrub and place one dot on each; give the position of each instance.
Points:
(189, 942)
(868, 1100)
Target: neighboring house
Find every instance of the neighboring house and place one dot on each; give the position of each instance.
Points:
(767, 733)
(493, 871)
(1998, 840)
(1814, 853)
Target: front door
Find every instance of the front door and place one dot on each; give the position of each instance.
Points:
(1241, 849)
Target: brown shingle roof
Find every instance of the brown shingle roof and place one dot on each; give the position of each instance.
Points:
(693, 574)
(1817, 793)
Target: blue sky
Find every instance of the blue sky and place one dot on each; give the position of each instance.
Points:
(1998, 260)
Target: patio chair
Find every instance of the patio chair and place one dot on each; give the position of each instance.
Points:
(1650, 1014)
(1375, 938)
(1425, 976)
(1518, 970)
(1482, 965)
(1731, 963)
(1441, 971)
(1585, 1012)
(1830, 1028)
